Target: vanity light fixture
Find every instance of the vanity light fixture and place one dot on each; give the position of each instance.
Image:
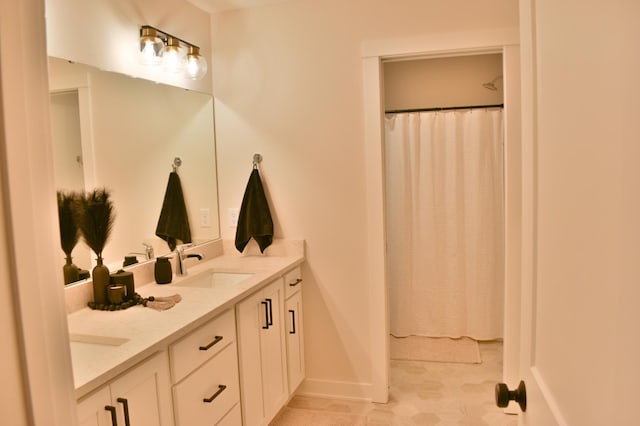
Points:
(158, 48)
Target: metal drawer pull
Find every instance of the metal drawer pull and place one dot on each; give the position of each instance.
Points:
(266, 313)
(215, 340)
(270, 320)
(297, 281)
(215, 395)
(125, 406)
(114, 418)
(293, 321)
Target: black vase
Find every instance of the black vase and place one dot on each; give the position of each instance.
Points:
(70, 271)
(101, 277)
(162, 271)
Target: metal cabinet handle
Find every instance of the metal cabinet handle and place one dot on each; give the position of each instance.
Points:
(266, 313)
(125, 406)
(270, 311)
(114, 418)
(296, 282)
(293, 321)
(215, 395)
(210, 345)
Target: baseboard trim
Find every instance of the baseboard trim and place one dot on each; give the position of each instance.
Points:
(335, 389)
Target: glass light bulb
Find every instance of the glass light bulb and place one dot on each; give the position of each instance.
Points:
(151, 47)
(196, 66)
(172, 59)
(149, 55)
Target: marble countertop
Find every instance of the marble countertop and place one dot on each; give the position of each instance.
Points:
(138, 332)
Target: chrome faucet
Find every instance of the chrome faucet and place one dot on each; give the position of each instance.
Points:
(181, 266)
(148, 250)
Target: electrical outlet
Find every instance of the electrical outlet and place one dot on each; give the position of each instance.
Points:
(205, 217)
(233, 217)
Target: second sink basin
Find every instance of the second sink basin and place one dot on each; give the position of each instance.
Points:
(212, 279)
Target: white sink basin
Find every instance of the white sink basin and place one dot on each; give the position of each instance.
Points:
(213, 279)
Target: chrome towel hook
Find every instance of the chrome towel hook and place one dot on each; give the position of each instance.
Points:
(177, 162)
(257, 159)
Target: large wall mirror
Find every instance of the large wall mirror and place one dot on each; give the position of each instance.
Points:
(122, 133)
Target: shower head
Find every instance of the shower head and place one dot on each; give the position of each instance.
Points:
(491, 85)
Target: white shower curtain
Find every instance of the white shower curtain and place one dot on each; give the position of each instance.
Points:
(444, 212)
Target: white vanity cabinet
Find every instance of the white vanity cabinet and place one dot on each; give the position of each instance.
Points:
(204, 371)
(233, 360)
(294, 328)
(262, 354)
(139, 397)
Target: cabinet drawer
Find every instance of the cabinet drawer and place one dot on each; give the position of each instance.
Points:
(233, 417)
(200, 345)
(292, 281)
(215, 381)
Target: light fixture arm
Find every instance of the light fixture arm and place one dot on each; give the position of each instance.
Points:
(164, 36)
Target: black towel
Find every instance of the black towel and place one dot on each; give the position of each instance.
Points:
(173, 224)
(254, 219)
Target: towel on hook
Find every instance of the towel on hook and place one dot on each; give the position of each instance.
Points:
(254, 220)
(173, 224)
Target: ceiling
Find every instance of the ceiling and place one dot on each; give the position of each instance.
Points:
(222, 5)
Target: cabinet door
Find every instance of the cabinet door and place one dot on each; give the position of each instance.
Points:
(273, 351)
(146, 392)
(295, 340)
(91, 410)
(261, 354)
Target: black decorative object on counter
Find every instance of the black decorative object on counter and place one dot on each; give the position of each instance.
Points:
(161, 303)
(136, 299)
(129, 260)
(70, 271)
(100, 275)
(69, 234)
(162, 270)
(115, 294)
(125, 279)
(95, 216)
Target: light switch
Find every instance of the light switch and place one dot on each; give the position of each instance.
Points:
(205, 217)
(233, 217)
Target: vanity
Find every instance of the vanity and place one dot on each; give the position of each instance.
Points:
(229, 353)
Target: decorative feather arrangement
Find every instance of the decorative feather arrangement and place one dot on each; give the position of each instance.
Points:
(69, 233)
(95, 219)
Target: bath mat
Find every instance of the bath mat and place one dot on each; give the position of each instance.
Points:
(305, 417)
(438, 349)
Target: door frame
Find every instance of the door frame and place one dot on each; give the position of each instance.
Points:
(30, 213)
(505, 41)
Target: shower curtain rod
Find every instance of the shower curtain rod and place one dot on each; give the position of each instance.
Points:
(397, 111)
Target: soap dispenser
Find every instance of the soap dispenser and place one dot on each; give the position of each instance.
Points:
(162, 271)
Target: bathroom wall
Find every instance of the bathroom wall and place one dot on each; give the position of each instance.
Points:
(443, 82)
(105, 34)
(288, 84)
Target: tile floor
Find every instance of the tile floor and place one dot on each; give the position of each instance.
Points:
(421, 393)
